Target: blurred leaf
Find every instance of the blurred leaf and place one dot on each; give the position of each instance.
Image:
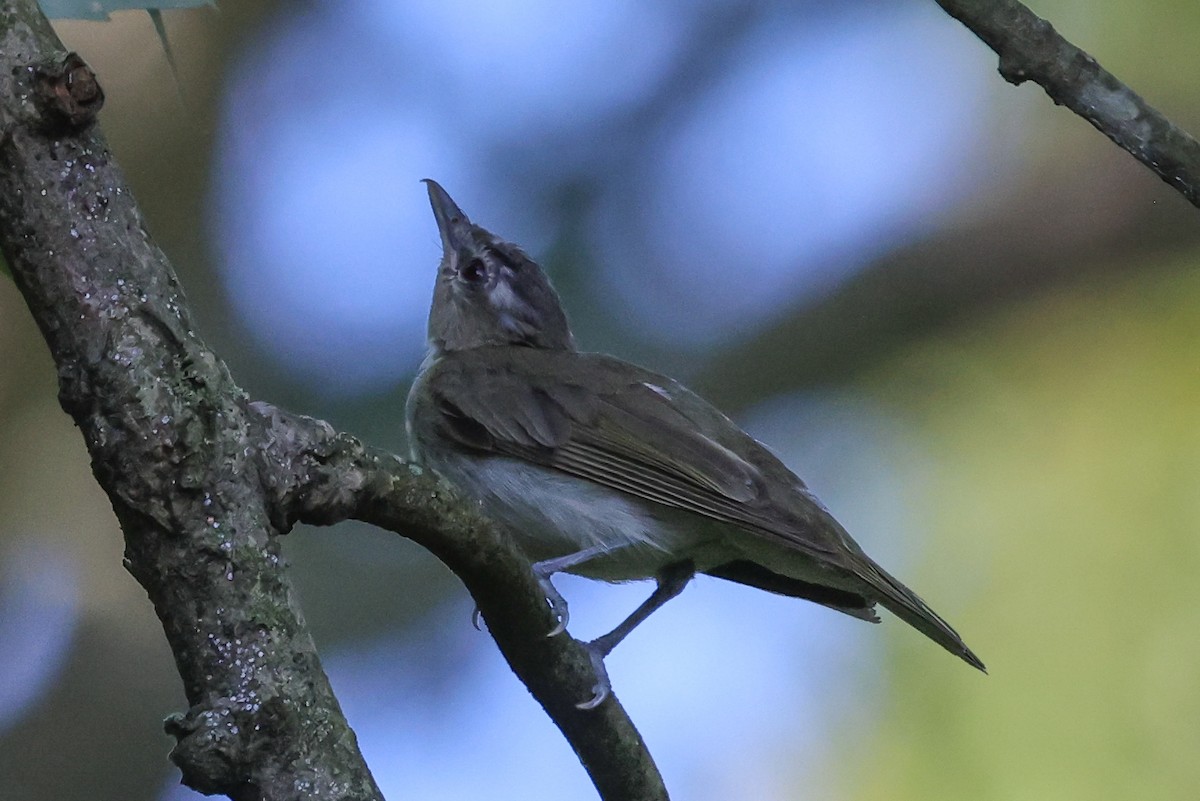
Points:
(161, 29)
(100, 9)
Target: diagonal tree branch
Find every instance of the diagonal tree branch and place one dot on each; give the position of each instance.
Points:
(1031, 50)
(330, 477)
(204, 482)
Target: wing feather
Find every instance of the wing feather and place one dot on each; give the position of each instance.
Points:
(621, 431)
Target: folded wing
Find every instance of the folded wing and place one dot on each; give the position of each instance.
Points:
(628, 429)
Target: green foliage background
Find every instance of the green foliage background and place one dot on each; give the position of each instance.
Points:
(1068, 444)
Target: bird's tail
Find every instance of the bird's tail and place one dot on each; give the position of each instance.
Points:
(906, 605)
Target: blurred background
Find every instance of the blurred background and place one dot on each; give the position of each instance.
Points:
(961, 314)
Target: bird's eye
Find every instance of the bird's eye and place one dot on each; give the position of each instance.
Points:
(474, 271)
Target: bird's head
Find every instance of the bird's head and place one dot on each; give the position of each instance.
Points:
(488, 291)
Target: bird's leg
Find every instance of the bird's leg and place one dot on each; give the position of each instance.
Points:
(671, 581)
(543, 571)
(548, 567)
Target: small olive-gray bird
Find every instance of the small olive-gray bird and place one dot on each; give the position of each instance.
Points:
(606, 470)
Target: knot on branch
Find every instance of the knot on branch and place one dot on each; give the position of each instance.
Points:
(310, 471)
(223, 746)
(213, 749)
(68, 94)
(1039, 49)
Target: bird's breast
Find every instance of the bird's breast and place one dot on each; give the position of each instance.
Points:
(552, 514)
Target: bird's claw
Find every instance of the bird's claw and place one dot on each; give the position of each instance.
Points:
(476, 617)
(597, 649)
(603, 687)
(558, 605)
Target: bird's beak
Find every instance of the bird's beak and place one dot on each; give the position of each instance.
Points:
(452, 223)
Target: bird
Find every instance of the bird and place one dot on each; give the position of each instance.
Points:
(600, 468)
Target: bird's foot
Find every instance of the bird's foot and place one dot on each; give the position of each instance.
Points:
(603, 687)
(548, 567)
(558, 604)
(558, 607)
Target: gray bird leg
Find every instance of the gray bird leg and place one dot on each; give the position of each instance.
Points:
(547, 568)
(671, 582)
(543, 571)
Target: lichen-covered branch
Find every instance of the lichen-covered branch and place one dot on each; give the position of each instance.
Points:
(1031, 50)
(204, 483)
(325, 477)
(170, 439)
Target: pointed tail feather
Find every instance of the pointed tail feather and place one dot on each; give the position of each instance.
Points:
(905, 604)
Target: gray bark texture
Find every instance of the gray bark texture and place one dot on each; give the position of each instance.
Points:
(204, 482)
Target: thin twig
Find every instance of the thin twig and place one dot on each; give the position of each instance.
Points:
(1031, 50)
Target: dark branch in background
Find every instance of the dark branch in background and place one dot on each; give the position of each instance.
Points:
(1031, 50)
(204, 482)
(1047, 236)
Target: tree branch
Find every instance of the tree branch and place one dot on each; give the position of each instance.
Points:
(330, 477)
(1030, 49)
(203, 482)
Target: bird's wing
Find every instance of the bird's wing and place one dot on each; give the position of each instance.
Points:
(628, 429)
